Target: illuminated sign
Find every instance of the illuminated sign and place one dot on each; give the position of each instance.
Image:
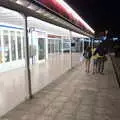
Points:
(63, 9)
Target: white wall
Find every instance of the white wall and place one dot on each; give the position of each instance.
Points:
(13, 83)
(13, 88)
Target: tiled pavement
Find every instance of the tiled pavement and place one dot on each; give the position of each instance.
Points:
(74, 96)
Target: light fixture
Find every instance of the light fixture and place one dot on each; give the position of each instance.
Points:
(74, 14)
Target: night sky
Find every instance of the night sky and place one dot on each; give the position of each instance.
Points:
(99, 14)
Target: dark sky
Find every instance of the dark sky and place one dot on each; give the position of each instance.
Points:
(99, 14)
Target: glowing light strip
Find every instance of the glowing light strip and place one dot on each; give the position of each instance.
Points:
(70, 10)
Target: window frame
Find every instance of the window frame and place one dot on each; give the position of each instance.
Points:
(33, 33)
(12, 64)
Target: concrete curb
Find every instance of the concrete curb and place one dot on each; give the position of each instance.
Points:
(115, 71)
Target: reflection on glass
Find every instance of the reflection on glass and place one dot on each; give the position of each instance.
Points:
(52, 48)
(56, 46)
(6, 46)
(81, 45)
(23, 39)
(13, 47)
(49, 44)
(66, 45)
(60, 46)
(0, 49)
(19, 45)
(41, 48)
(86, 44)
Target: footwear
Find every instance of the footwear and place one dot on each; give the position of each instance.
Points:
(101, 73)
(93, 73)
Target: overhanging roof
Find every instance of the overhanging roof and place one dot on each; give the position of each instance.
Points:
(30, 9)
(61, 8)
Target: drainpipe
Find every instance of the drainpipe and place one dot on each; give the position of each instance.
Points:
(27, 61)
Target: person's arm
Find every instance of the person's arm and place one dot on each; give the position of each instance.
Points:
(95, 52)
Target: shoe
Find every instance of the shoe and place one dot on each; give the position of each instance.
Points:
(93, 73)
(101, 73)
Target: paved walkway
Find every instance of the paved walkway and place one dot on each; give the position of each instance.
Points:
(74, 96)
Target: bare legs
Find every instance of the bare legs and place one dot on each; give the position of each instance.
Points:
(87, 64)
(100, 65)
(94, 66)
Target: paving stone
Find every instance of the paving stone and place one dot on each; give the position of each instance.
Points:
(74, 96)
(51, 111)
(64, 116)
(84, 116)
(85, 108)
(61, 99)
(56, 104)
(44, 118)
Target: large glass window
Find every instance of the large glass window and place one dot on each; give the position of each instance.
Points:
(13, 46)
(60, 45)
(66, 45)
(56, 46)
(19, 45)
(49, 45)
(0, 39)
(81, 45)
(86, 44)
(41, 48)
(6, 46)
(52, 46)
(23, 39)
(0, 49)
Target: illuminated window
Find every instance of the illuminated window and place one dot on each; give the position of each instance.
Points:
(6, 46)
(19, 45)
(41, 48)
(60, 46)
(56, 46)
(66, 45)
(0, 39)
(13, 46)
(0, 49)
(49, 46)
(81, 45)
(23, 39)
(52, 46)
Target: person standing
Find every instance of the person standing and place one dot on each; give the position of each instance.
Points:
(101, 59)
(94, 60)
(87, 55)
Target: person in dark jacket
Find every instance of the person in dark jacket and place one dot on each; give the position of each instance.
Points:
(87, 55)
(101, 51)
